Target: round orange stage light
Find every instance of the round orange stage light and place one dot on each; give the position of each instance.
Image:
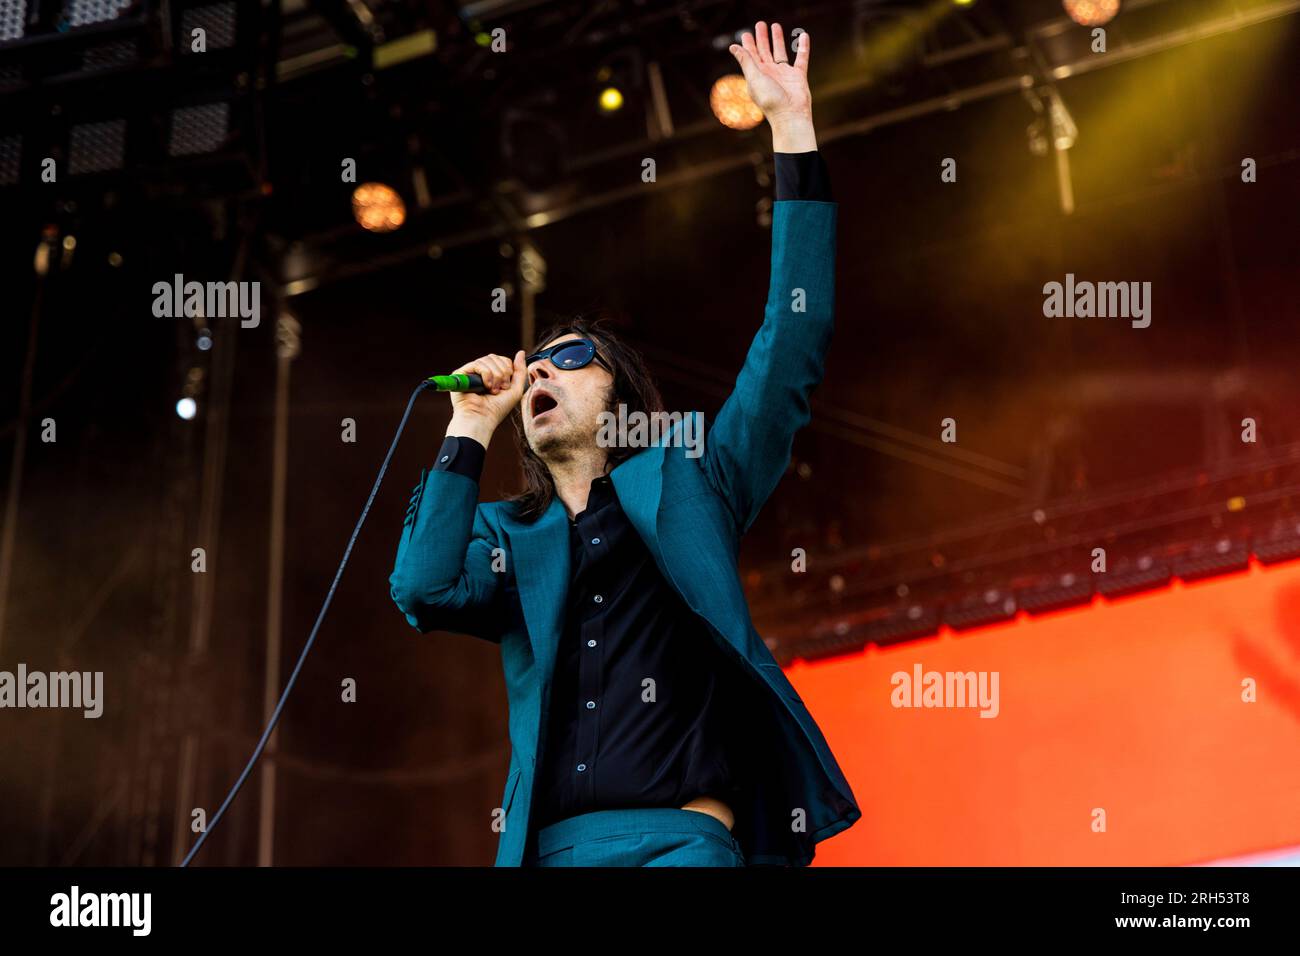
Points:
(377, 207)
(731, 104)
(1091, 13)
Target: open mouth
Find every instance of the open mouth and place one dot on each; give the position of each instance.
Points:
(542, 403)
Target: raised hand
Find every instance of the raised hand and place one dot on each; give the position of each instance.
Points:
(778, 86)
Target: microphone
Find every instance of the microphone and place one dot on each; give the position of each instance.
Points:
(463, 382)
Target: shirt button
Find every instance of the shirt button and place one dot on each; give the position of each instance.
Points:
(445, 458)
(581, 767)
(595, 541)
(598, 599)
(591, 705)
(591, 643)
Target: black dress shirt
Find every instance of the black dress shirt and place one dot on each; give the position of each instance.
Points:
(641, 707)
(639, 698)
(644, 709)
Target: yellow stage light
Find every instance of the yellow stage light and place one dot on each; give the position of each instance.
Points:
(611, 99)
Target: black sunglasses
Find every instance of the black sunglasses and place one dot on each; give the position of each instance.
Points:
(570, 354)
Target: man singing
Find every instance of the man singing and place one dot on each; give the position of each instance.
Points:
(649, 723)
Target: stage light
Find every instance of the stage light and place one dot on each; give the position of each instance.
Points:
(11, 150)
(611, 99)
(12, 25)
(81, 12)
(731, 104)
(216, 20)
(199, 129)
(96, 147)
(377, 207)
(187, 408)
(1091, 13)
(963, 3)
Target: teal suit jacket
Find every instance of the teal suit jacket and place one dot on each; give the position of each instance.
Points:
(691, 513)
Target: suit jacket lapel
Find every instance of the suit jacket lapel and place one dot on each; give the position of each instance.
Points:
(639, 485)
(540, 551)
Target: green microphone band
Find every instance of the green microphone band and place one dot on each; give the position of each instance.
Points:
(450, 383)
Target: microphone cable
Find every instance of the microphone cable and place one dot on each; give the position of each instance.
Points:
(275, 717)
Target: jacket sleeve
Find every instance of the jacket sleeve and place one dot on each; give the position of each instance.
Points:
(748, 448)
(443, 577)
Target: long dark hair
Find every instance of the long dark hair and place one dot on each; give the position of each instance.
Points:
(633, 387)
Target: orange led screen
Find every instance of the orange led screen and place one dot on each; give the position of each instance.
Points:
(1127, 713)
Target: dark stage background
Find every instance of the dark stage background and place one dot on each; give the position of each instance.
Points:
(940, 293)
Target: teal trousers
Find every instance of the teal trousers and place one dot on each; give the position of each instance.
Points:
(652, 836)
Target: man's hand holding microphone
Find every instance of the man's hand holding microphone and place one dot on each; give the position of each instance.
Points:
(477, 416)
